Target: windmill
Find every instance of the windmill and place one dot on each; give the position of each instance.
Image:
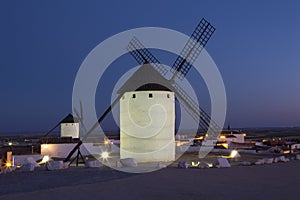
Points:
(69, 131)
(151, 66)
(69, 127)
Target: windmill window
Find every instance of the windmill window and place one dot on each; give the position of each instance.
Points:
(123, 97)
(133, 96)
(168, 95)
(150, 95)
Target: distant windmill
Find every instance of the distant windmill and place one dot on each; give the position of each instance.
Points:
(69, 127)
(151, 66)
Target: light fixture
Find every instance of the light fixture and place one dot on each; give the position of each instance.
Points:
(233, 154)
(8, 164)
(104, 155)
(45, 159)
(222, 137)
(195, 164)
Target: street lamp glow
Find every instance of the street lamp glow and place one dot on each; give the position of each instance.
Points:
(45, 159)
(233, 153)
(104, 155)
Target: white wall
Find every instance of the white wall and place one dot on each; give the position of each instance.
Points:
(147, 126)
(239, 138)
(62, 150)
(69, 130)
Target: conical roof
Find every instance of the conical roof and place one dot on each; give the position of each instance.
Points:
(146, 78)
(69, 119)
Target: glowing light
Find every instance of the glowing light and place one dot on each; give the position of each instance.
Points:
(222, 137)
(106, 142)
(45, 159)
(210, 164)
(225, 145)
(206, 135)
(244, 134)
(200, 138)
(9, 159)
(233, 154)
(8, 164)
(181, 143)
(10, 143)
(286, 152)
(195, 164)
(104, 155)
(45, 146)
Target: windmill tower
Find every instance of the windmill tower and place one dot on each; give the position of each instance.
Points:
(147, 121)
(132, 98)
(69, 127)
(147, 125)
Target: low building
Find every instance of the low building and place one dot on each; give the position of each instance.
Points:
(232, 136)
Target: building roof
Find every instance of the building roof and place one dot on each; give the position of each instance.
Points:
(69, 119)
(153, 87)
(146, 78)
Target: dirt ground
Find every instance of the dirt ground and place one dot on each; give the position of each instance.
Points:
(275, 181)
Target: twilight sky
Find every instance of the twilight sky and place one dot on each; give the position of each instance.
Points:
(43, 43)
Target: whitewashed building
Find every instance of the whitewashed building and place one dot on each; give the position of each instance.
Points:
(69, 127)
(147, 126)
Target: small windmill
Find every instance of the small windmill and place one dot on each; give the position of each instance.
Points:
(156, 74)
(69, 130)
(69, 127)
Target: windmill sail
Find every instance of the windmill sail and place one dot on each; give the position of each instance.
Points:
(197, 113)
(192, 49)
(144, 56)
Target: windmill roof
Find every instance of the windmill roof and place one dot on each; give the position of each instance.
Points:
(69, 119)
(153, 86)
(146, 78)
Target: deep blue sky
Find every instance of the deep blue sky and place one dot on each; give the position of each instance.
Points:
(43, 43)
